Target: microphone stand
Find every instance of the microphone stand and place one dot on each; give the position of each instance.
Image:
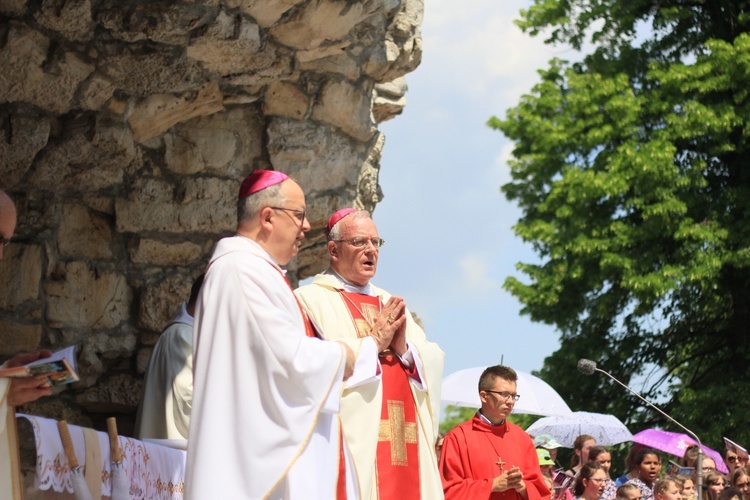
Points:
(699, 464)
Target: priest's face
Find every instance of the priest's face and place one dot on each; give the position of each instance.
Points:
(354, 261)
(290, 224)
(498, 402)
(7, 220)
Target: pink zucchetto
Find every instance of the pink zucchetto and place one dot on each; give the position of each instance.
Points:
(259, 180)
(337, 216)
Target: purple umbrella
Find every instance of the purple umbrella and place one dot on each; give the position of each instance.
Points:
(675, 444)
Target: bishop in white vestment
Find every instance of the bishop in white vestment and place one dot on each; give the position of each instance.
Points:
(266, 395)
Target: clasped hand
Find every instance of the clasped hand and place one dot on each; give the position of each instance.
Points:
(509, 479)
(388, 329)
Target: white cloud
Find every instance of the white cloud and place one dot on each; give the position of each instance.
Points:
(475, 274)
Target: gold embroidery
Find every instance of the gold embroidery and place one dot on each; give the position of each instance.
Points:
(369, 312)
(398, 432)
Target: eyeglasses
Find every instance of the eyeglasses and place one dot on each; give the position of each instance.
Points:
(598, 480)
(708, 469)
(732, 459)
(505, 395)
(298, 214)
(362, 242)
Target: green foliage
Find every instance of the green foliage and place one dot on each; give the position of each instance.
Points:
(632, 170)
(455, 415)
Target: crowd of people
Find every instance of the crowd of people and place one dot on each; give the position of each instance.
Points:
(646, 478)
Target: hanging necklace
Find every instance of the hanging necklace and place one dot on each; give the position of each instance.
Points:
(499, 462)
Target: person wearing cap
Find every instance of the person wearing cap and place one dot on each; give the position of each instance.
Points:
(547, 466)
(266, 391)
(390, 406)
(547, 442)
(488, 457)
(14, 391)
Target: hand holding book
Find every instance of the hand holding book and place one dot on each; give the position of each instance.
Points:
(33, 374)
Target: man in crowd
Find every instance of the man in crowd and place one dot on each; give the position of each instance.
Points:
(390, 406)
(487, 456)
(14, 391)
(164, 412)
(266, 390)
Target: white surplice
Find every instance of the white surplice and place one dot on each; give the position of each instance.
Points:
(264, 422)
(164, 412)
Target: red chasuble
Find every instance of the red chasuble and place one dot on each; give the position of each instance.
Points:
(397, 452)
(474, 453)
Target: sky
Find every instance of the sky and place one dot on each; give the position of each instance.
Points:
(449, 243)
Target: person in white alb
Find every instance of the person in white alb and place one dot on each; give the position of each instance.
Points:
(266, 390)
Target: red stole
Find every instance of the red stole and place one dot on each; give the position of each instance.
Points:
(398, 450)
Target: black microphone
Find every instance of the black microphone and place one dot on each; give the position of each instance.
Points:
(588, 367)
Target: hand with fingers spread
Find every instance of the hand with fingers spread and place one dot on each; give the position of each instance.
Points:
(390, 319)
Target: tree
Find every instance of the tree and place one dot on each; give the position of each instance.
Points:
(632, 171)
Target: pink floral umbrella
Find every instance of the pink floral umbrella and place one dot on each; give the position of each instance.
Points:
(675, 444)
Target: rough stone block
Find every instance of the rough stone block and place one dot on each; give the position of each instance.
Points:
(285, 99)
(225, 143)
(83, 234)
(158, 113)
(70, 18)
(20, 274)
(159, 302)
(156, 252)
(83, 296)
(264, 12)
(346, 107)
(117, 393)
(16, 337)
(21, 138)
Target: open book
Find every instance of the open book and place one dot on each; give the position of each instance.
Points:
(60, 368)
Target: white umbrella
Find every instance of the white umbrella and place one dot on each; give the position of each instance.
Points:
(606, 429)
(537, 397)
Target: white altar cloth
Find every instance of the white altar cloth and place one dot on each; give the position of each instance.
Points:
(154, 471)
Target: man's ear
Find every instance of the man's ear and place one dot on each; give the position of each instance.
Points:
(266, 217)
(333, 250)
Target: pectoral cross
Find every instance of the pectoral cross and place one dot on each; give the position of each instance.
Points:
(500, 463)
(398, 432)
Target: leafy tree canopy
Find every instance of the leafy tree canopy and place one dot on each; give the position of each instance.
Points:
(632, 171)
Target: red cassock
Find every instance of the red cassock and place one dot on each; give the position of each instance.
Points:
(471, 454)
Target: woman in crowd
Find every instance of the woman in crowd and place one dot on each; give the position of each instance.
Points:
(603, 457)
(628, 491)
(687, 487)
(630, 464)
(648, 467)
(740, 480)
(667, 488)
(589, 482)
(715, 483)
(581, 447)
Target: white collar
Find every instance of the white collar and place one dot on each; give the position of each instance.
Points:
(349, 286)
(487, 420)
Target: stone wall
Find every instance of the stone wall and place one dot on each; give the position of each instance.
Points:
(125, 129)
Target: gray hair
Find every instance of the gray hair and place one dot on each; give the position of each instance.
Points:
(250, 206)
(335, 233)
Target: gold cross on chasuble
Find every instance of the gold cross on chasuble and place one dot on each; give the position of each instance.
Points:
(398, 432)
